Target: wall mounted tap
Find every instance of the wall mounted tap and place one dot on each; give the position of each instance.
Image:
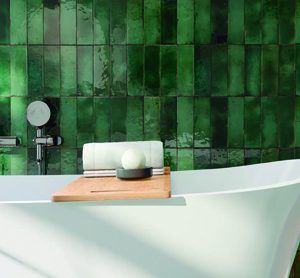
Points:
(9, 141)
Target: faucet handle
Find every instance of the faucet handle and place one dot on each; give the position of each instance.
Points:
(48, 141)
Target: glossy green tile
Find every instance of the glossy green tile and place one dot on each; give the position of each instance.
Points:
(5, 116)
(5, 82)
(236, 21)
(185, 25)
(202, 70)
(53, 166)
(219, 158)
(18, 161)
(287, 21)
(252, 156)
(286, 85)
(236, 157)
(51, 21)
(185, 66)
(202, 159)
(5, 161)
(31, 164)
(269, 85)
(118, 119)
(101, 70)
(68, 21)
(85, 70)
(35, 21)
(134, 120)
(168, 21)
(236, 122)
(85, 22)
(79, 162)
(135, 70)
(18, 108)
(286, 118)
(219, 68)
(102, 119)
(35, 71)
(152, 21)
(297, 69)
(253, 13)
(152, 72)
(135, 26)
(202, 21)
(168, 121)
(170, 158)
(297, 27)
(118, 22)
(285, 154)
(151, 118)
(185, 159)
(118, 70)
(68, 161)
(101, 21)
(270, 21)
(202, 127)
(185, 125)
(5, 22)
(269, 155)
(297, 122)
(52, 71)
(53, 125)
(252, 70)
(168, 70)
(236, 68)
(68, 64)
(18, 22)
(219, 21)
(219, 122)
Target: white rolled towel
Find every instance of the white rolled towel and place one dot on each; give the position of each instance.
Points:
(106, 156)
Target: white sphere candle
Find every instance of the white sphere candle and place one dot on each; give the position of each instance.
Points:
(133, 159)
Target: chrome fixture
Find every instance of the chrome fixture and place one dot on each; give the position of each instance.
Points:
(9, 141)
(38, 115)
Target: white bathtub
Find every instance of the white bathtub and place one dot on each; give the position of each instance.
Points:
(234, 222)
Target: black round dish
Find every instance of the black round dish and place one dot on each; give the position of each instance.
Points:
(129, 174)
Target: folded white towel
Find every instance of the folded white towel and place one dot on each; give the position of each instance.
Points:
(112, 173)
(107, 156)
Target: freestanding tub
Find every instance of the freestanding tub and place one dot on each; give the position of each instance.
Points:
(234, 222)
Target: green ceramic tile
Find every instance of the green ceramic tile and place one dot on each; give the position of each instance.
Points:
(269, 124)
(185, 74)
(85, 22)
(185, 126)
(53, 125)
(152, 21)
(118, 119)
(151, 118)
(5, 22)
(236, 68)
(297, 69)
(297, 25)
(101, 70)
(35, 21)
(18, 161)
(18, 119)
(269, 85)
(219, 122)
(286, 75)
(85, 70)
(68, 161)
(170, 158)
(68, 21)
(168, 70)
(53, 166)
(5, 116)
(68, 70)
(68, 118)
(102, 119)
(252, 129)
(253, 13)
(168, 21)
(270, 21)
(297, 122)
(236, 122)
(185, 25)
(79, 162)
(118, 70)
(202, 21)
(252, 70)
(134, 120)
(35, 70)
(118, 22)
(202, 70)
(287, 21)
(202, 159)
(236, 157)
(285, 154)
(85, 121)
(286, 118)
(236, 21)
(219, 71)
(219, 21)
(185, 159)
(168, 121)
(101, 21)
(135, 25)
(135, 70)
(152, 73)
(52, 71)
(219, 158)
(269, 155)
(18, 22)
(51, 21)
(5, 82)
(31, 162)
(5, 162)
(252, 156)
(202, 128)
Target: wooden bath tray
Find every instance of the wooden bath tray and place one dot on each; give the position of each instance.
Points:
(112, 188)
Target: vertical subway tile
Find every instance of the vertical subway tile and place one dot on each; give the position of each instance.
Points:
(236, 66)
(297, 28)
(286, 121)
(85, 70)
(52, 71)
(118, 119)
(68, 22)
(185, 68)
(101, 70)
(252, 70)
(219, 158)
(252, 156)
(297, 69)
(219, 122)
(185, 127)
(285, 154)
(168, 21)
(219, 21)
(5, 22)
(5, 71)
(202, 127)
(134, 120)
(269, 155)
(18, 70)
(101, 21)
(297, 122)
(253, 13)
(53, 166)
(168, 69)
(79, 162)
(236, 157)
(270, 21)
(286, 70)
(202, 158)
(53, 125)
(118, 70)
(151, 118)
(102, 119)
(202, 70)
(152, 65)
(219, 71)
(18, 22)
(51, 21)
(35, 70)
(68, 161)
(5, 162)
(85, 21)
(168, 121)
(135, 70)
(135, 28)
(5, 122)
(236, 122)
(185, 159)
(170, 158)
(118, 22)
(35, 21)
(152, 21)
(269, 85)
(236, 21)
(18, 119)
(287, 21)
(68, 70)
(31, 164)
(19, 161)
(185, 17)
(202, 21)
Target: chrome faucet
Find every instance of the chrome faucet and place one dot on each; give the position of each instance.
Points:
(9, 141)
